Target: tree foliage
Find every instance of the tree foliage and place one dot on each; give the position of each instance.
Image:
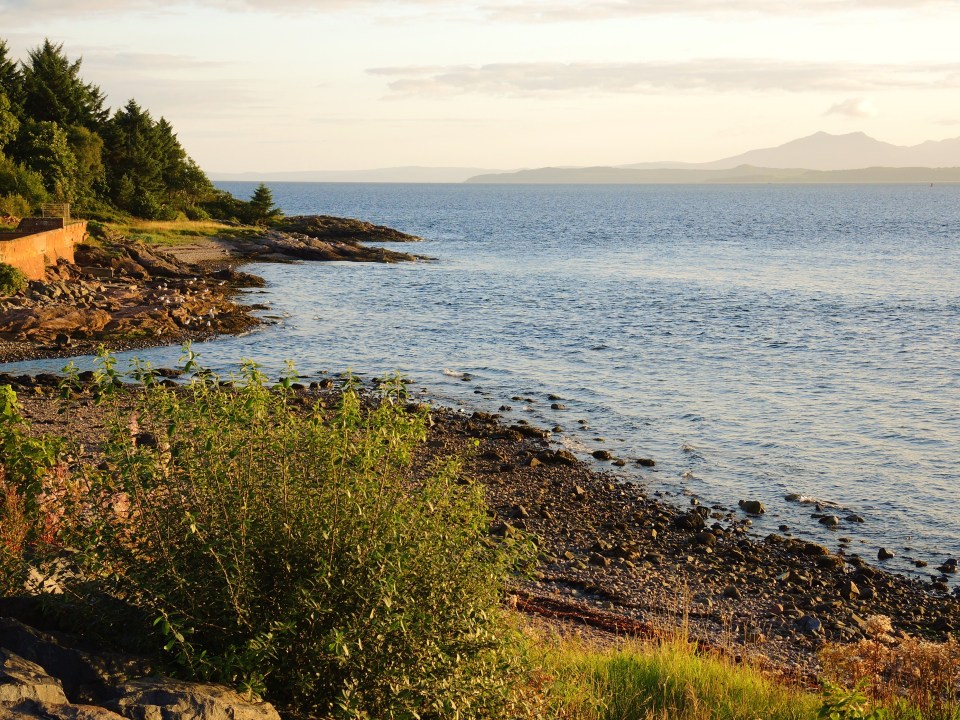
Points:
(55, 124)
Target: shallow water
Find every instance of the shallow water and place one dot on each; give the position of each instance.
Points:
(755, 340)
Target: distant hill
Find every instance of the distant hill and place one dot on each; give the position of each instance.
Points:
(412, 174)
(741, 174)
(823, 151)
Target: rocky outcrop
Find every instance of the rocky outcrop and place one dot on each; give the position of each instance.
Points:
(45, 676)
(279, 245)
(336, 229)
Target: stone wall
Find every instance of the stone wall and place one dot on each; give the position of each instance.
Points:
(32, 247)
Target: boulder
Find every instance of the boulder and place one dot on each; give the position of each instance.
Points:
(22, 680)
(166, 699)
(752, 507)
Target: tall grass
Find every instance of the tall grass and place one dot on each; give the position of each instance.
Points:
(663, 680)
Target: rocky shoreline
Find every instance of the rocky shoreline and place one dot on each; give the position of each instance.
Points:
(611, 553)
(613, 556)
(124, 295)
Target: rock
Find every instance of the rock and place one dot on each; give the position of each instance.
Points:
(558, 406)
(646, 462)
(791, 497)
(950, 566)
(884, 554)
(83, 674)
(49, 711)
(732, 592)
(830, 521)
(814, 549)
(619, 463)
(519, 511)
(920, 563)
(165, 699)
(22, 680)
(602, 454)
(690, 521)
(849, 590)
(706, 538)
(579, 493)
(753, 507)
(599, 560)
(854, 518)
(557, 457)
(810, 624)
(831, 562)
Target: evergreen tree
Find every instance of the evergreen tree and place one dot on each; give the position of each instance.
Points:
(46, 150)
(10, 80)
(261, 205)
(53, 90)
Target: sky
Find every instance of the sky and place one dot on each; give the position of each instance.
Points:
(288, 85)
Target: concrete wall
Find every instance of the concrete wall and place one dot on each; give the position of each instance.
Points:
(32, 252)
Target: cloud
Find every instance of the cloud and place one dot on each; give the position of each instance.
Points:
(709, 75)
(27, 11)
(575, 11)
(853, 108)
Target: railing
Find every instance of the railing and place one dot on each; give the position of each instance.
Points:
(56, 210)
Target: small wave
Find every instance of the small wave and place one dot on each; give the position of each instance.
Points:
(452, 373)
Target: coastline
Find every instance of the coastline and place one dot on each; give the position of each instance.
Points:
(606, 545)
(626, 563)
(125, 295)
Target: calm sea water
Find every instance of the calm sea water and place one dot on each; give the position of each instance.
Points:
(755, 340)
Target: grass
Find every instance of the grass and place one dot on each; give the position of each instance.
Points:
(180, 232)
(664, 680)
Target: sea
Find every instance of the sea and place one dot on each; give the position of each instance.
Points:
(756, 341)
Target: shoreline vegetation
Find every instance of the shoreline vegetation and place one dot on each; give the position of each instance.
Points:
(84, 454)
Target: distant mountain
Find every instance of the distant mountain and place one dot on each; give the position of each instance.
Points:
(823, 151)
(741, 174)
(412, 174)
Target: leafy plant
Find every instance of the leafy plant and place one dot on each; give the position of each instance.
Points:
(848, 704)
(12, 280)
(296, 553)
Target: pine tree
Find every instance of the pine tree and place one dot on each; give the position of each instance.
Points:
(261, 205)
(53, 90)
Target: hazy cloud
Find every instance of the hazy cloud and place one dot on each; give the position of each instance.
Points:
(853, 108)
(521, 11)
(715, 75)
(574, 10)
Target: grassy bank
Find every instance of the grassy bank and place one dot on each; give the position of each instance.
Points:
(172, 233)
(305, 548)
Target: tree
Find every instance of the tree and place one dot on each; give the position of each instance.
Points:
(261, 205)
(53, 90)
(46, 150)
(146, 153)
(8, 121)
(10, 80)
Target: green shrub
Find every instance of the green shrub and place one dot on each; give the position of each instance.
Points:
(12, 280)
(298, 555)
(31, 495)
(16, 205)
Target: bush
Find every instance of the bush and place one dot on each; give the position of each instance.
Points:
(15, 205)
(31, 486)
(298, 555)
(12, 280)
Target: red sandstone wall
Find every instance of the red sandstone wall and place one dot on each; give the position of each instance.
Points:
(33, 253)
